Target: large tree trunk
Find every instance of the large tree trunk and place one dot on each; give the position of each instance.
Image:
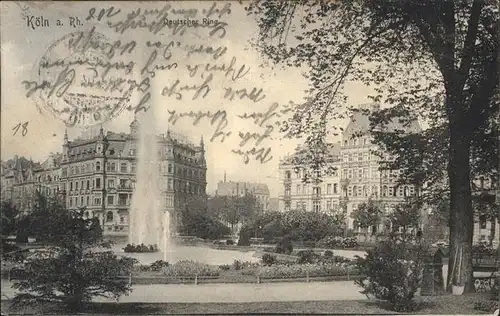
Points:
(461, 212)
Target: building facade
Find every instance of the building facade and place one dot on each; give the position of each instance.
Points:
(319, 196)
(19, 182)
(259, 190)
(356, 179)
(100, 174)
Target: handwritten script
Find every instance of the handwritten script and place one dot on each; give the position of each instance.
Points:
(87, 78)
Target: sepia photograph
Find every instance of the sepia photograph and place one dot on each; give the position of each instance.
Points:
(250, 157)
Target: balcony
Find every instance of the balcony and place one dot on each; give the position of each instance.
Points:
(127, 188)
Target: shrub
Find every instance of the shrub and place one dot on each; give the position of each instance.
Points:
(306, 256)
(229, 242)
(237, 265)
(140, 248)
(284, 246)
(393, 272)
(244, 239)
(488, 306)
(268, 259)
(224, 267)
(328, 254)
(158, 265)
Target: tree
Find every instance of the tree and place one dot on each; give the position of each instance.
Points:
(366, 215)
(9, 223)
(75, 267)
(198, 221)
(437, 60)
(405, 214)
(235, 209)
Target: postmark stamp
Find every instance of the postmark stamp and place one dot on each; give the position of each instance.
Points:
(80, 79)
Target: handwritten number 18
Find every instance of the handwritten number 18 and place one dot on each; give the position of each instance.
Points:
(24, 131)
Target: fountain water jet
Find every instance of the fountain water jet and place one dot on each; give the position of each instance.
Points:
(149, 220)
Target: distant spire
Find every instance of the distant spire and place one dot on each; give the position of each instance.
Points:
(202, 144)
(224, 176)
(101, 131)
(66, 136)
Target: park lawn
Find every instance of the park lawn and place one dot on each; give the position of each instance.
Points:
(447, 304)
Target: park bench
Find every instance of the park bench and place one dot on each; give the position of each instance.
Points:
(487, 263)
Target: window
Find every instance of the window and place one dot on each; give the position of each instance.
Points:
(88, 184)
(365, 191)
(360, 173)
(384, 191)
(111, 166)
(350, 174)
(297, 205)
(71, 186)
(123, 167)
(109, 217)
(88, 200)
(288, 175)
(405, 191)
(329, 188)
(350, 157)
(287, 190)
(298, 188)
(482, 221)
(411, 190)
(317, 206)
(349, 191)
(328, 205)
(98, 166)
(365, 173)
(317, 191)
(374, 191)
(304, 189)
(111, 183)
(170, 169)
(81, 185)
(345, 142)
(76, 185)
(81, 201)
(360, 157)
(122, 219)
(345, 174)
(98, 183)
(335, 188)
(111, 200)
(70, 202)
(170, 184)
(346, 157)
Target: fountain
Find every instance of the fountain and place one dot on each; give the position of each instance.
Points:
(149, 221)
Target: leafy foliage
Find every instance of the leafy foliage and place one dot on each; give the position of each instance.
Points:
(435, 61)
(367, 214)
(392, 272)
(299, 225)
(76, 267)
(268, 259)
(406, 214)
(284, 246)
(197, 221)
(306, 256)
(244, 239)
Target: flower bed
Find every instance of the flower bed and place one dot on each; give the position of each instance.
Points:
(304, 270)
(190, 268)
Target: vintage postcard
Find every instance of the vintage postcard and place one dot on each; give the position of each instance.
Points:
(250, 157)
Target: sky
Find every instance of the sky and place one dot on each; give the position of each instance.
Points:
(25, 46)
